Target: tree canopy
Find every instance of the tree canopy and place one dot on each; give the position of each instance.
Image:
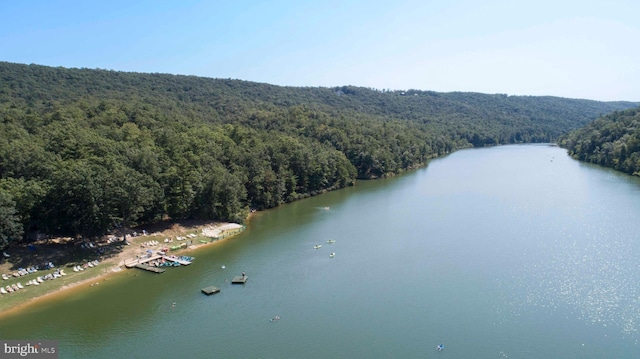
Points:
(84, 151)
(10, 226)
(612, 140)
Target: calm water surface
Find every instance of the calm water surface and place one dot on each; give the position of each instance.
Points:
(505, 252)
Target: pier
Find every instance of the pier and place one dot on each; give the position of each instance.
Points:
(134, 262)
(142, 262)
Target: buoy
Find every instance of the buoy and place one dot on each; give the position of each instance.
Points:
(223, 267)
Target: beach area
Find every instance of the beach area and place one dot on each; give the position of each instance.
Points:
(65, 263)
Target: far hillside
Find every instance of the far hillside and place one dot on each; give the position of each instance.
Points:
(85, 151)
(612, 140)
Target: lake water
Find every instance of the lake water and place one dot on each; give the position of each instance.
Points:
(504, 252)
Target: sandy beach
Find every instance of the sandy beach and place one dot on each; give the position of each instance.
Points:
(110, 252)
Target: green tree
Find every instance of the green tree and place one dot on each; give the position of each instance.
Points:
(10, 225)
(83, 150)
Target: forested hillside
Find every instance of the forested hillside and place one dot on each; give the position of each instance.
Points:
(612, 141)
(83, 150)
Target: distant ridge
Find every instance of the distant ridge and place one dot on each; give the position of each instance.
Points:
(57, 83)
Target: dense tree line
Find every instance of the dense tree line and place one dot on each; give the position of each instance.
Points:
(83, 151)
(612, 140)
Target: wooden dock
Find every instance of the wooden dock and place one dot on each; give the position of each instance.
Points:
(210, 290)
(135, 262)
(150, 268)
(239, 279)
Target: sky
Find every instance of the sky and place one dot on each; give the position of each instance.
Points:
(576, 49)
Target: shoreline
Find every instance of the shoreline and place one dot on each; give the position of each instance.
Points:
(63, 290)
(112, 266)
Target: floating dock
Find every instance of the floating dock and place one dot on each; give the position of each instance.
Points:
(210, 290)
(150, 268)
(239, 279)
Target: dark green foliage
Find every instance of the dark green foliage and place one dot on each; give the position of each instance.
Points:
(10, 226)
(612, 141)
(83, 151)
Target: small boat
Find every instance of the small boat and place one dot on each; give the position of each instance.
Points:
(332, 255)
(317, 246)
(3, 291)
(331, 241)
(19, 285)
(440, 347)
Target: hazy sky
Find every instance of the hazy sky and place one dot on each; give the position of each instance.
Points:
(577, 49)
